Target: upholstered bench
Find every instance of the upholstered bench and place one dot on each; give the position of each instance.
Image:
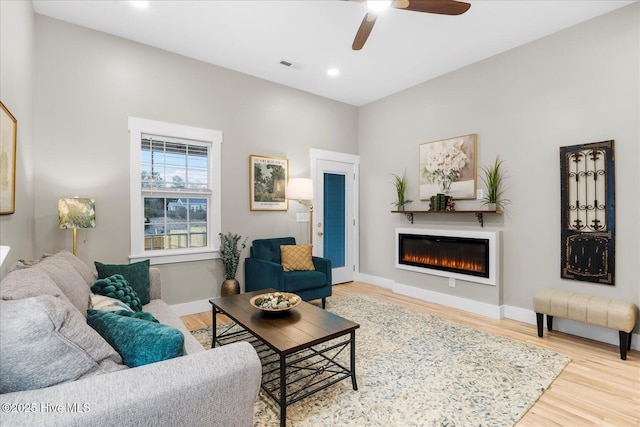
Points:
(599, 311)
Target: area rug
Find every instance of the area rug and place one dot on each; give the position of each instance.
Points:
(420, 370)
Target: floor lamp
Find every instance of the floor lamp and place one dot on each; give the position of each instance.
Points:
(301, 189)
(76, 213)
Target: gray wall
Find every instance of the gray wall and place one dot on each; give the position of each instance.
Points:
(580, 85)
(17, 54)
(88, 83)
(577, 86)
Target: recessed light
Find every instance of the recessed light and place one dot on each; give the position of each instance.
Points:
(139, 4)
(333, 72)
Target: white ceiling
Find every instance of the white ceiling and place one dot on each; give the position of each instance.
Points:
(405, 48)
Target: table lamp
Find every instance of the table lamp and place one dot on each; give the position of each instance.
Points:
(301, 189)
(76, 213)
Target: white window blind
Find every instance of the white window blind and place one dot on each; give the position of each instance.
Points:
(176, 212)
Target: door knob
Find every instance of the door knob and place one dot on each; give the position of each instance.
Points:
(320, 233)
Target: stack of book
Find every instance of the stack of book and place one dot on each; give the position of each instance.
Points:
(441, 202)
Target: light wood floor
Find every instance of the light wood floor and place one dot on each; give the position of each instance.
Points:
(597, 388)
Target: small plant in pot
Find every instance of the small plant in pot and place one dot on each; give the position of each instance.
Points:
(400, 183)
(493, 179)
(230, 249)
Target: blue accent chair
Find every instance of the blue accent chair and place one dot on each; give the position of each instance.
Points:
(263, 269)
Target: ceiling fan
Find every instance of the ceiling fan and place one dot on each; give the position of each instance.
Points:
(441, 7)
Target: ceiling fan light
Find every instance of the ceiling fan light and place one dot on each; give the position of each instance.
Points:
(378, 5)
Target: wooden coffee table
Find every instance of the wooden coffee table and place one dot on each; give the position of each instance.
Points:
(300, 349)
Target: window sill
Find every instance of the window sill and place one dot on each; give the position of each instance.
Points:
(171, 257)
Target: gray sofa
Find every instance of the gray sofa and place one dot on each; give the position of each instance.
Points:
(68, 375)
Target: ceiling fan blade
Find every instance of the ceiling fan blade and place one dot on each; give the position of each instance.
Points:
(441, 7)
(363, 32)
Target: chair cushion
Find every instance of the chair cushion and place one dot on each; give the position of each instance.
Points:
(269, 249)
(301, 280)
(296, 257)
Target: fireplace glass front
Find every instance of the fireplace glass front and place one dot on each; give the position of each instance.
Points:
(455, 254)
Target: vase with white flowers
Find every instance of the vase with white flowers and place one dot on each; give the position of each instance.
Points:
(230, 250)
(445, 166)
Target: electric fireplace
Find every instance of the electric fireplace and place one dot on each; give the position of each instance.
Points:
(461, 254)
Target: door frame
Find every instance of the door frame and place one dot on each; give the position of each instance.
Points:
(317, 155)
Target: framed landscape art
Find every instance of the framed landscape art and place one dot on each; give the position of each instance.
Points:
(268, 179)
(8, 136)
(449, 166)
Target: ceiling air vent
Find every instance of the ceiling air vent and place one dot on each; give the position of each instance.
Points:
(286, 63)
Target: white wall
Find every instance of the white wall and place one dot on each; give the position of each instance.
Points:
(17, 55)
(577, 86)
(88, 83)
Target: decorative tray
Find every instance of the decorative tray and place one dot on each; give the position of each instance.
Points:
(275, 301)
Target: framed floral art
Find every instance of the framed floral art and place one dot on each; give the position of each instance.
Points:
(449, 166)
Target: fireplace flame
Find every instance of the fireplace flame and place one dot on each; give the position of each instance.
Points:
(459, 264)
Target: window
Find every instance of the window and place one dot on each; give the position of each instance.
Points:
(175, 191)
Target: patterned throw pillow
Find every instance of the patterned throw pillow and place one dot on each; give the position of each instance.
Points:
(296, 257)
(117, 287)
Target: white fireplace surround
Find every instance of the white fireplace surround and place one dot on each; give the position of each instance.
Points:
(494, 253)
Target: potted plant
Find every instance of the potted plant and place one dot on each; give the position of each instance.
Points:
(400, 183)
(493, 179)
(230, 256)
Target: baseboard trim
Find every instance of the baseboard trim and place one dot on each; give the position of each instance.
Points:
(374, 280)
(192, 307)
(465, 304)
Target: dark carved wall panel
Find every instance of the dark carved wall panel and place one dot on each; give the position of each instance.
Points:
(588, 212)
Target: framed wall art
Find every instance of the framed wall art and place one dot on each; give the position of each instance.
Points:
(267, 181)
(8, 137)
(449, 166)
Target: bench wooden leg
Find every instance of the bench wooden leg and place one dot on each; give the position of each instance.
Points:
(625, 344)
(540, 321)
(549, 323)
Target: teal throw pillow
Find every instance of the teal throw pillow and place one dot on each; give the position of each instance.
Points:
(137, 274)
(117, 287)
(144, 315)
(139, 342)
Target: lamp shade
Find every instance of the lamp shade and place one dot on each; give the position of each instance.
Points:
(77, 212)
(300, 189)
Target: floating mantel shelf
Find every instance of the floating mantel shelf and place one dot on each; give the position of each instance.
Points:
(478, 214)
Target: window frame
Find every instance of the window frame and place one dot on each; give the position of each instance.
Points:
(139, 127)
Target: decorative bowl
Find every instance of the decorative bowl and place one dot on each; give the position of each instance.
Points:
(275, 301)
